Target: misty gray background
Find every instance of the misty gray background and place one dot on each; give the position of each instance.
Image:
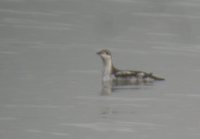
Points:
(50, 76)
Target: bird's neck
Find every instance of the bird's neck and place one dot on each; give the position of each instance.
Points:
(107, 69)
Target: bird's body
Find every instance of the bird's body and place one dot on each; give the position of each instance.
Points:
(110, 72)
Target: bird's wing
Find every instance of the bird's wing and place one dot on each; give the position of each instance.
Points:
(137, 74)
(125, 73)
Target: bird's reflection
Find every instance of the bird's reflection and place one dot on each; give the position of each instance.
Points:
(112, 85)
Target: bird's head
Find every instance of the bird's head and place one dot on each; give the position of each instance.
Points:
(105, 54)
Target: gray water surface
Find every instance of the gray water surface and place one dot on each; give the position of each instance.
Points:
(50, 75)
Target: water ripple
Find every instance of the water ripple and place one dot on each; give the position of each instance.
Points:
(101, 127)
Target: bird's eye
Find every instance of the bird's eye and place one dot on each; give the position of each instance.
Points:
(106, 52)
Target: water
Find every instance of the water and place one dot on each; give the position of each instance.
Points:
(51, 76)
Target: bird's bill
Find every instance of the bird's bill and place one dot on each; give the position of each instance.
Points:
(98, 53)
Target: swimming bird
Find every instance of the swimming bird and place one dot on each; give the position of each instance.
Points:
(110, 72)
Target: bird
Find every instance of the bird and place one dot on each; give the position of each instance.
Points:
(111, 73)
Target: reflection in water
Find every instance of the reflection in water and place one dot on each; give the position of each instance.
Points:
(110, 86)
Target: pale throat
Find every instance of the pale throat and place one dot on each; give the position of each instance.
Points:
(107, 69)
